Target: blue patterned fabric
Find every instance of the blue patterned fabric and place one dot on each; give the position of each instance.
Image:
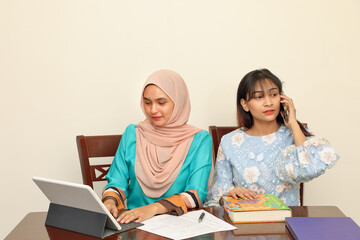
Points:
(268, 164)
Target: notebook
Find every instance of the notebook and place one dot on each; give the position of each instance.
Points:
(329, 228)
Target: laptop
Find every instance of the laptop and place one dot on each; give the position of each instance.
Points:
(79, 196)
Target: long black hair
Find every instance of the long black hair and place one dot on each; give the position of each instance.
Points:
(245, 91)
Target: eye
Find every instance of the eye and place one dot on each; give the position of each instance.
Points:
(274, 94)
(147, 103)
(162, 103)
(258, 96)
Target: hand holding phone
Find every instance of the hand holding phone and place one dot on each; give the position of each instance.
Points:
(286, 113)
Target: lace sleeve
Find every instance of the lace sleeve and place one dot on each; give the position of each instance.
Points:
(222, 182)
(305, 162)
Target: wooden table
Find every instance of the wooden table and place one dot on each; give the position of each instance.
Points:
(33, 227)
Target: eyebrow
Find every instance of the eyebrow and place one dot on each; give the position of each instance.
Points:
(158, 99)
(274, 88)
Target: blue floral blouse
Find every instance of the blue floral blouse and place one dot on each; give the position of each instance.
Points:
(268, 164)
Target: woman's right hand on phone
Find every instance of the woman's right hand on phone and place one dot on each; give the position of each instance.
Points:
(241, 192)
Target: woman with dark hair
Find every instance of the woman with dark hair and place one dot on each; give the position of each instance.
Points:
(247, 87)
(271, 152)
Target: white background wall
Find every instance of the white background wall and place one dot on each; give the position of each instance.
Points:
(77, 67)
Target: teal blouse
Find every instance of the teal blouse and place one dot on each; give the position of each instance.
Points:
(193, 175)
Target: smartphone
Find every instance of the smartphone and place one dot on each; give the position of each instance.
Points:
(286, 112)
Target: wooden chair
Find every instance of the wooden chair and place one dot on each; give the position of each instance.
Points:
(95, 147)
(217, 132)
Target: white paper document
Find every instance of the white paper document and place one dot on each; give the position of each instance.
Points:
(185, 226)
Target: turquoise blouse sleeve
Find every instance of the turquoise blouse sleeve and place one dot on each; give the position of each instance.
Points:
(200, 166)
(118, 175)
(305, 162)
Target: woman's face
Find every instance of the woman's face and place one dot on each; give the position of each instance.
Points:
(264, 104)
(158, 106)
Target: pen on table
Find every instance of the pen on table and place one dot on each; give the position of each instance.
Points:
(201, 217)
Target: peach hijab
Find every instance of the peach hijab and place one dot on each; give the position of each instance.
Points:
(161, 150)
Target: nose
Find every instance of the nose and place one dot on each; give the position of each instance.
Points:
(268, 101)
(154, 109)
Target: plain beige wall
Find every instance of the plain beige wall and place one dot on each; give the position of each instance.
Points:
(77, 67)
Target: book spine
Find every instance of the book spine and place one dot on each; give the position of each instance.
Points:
(228, 212)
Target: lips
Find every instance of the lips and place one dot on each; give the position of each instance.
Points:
(269, 112)
(156, 118)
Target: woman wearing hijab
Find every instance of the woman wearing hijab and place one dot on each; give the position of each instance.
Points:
(162, 164)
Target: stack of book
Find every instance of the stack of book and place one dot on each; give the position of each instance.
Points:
(264, 208)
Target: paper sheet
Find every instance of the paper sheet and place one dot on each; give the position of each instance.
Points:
(185, 226)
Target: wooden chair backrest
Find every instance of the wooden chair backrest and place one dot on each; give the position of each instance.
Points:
(95, 147)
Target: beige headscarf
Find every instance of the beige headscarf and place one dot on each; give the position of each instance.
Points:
(161, 151)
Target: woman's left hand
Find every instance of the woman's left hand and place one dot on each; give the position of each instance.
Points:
(292, 111)
(141, 213)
